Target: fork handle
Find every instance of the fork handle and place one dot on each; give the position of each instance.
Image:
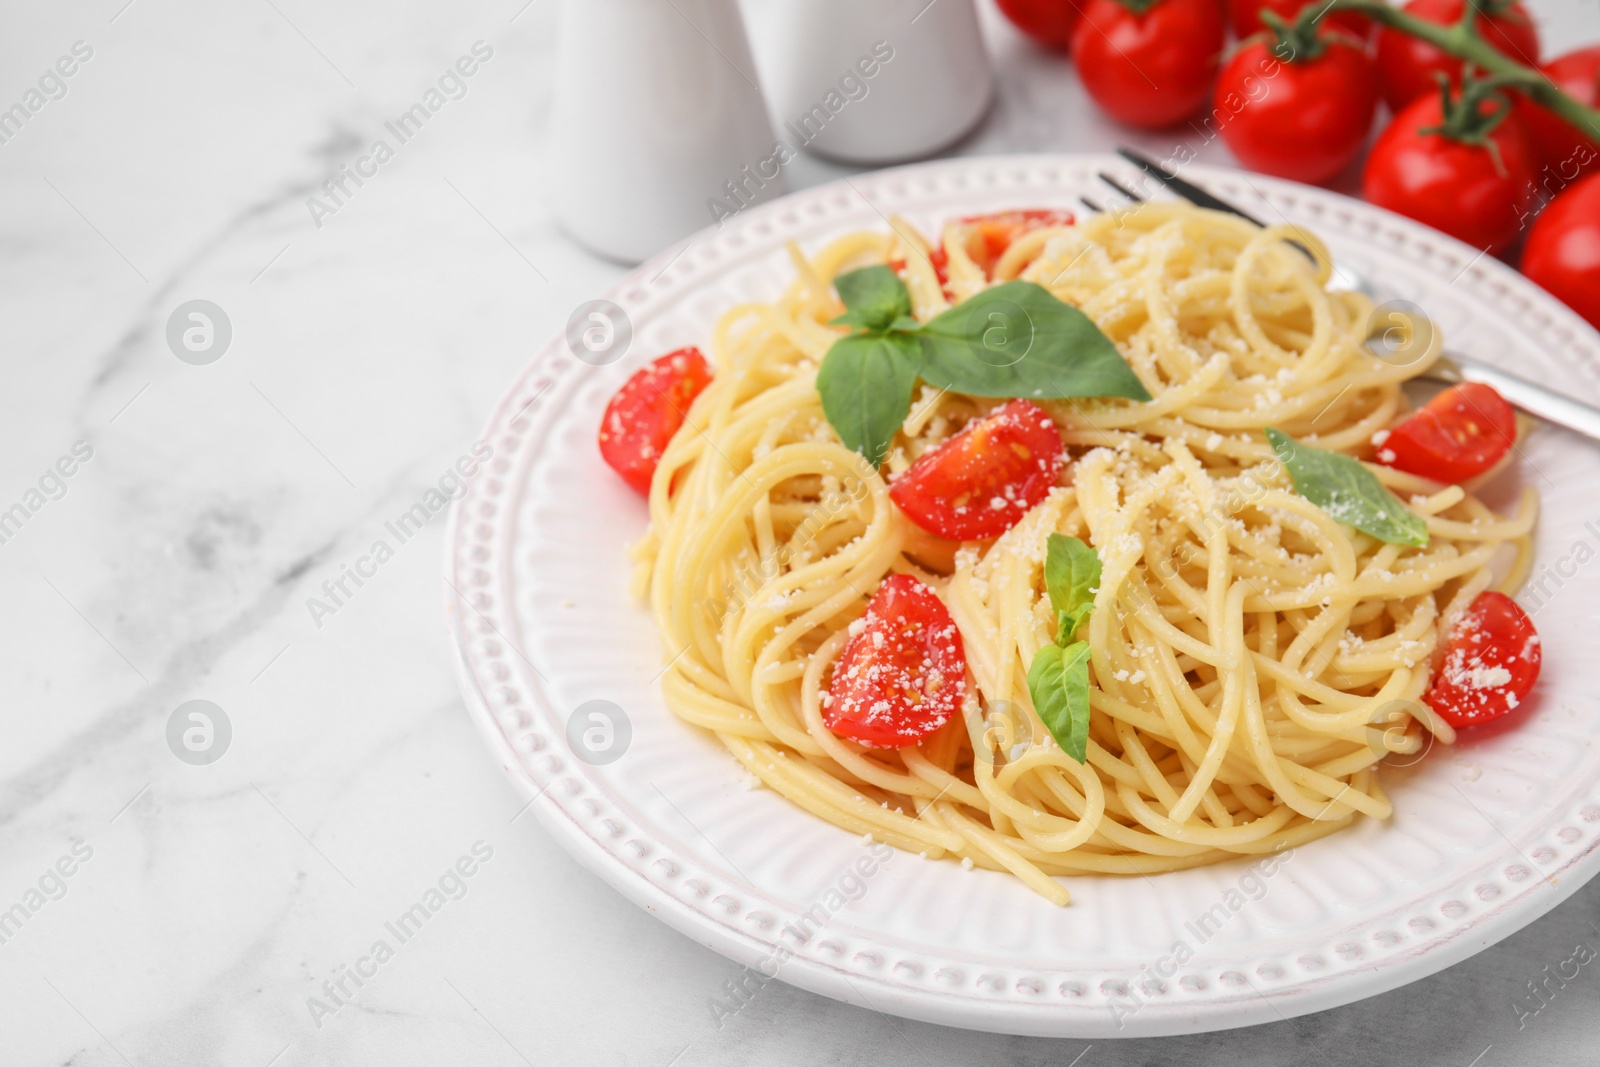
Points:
(1534, 399)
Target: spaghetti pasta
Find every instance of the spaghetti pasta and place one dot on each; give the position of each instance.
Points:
(1252, 659)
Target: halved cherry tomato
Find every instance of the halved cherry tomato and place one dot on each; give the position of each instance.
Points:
(647, 411)
(937, 259)
(1563, 249)
(1565, 152)
(1407, 65)
(981, 481)
(1491, 660)
(988, 237)
(1457, 435)
(902, 674)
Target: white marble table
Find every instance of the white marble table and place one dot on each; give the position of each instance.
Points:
(207, 903)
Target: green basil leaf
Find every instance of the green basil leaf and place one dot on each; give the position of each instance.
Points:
(1067, 622)
(1349, 492)
(866, 382)
(1071, 576)
(1058, 681)
(1017, 340)
(874, 299)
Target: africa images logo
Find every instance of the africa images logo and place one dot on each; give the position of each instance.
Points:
(452, 86)
(451, 485)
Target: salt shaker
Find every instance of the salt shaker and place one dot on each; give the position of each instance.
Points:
(874, 81)
(659, 127)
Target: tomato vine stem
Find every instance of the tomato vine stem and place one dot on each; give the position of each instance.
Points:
(1463, 41)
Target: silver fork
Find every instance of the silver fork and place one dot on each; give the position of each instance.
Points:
(1451, 368)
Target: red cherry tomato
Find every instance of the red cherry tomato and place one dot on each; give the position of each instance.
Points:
(1049, 22)
(649, 408)
(1457, 435)
(937, 259)
(1313, 117)
(991, 235)
(1491, 660)
(1564, 151)
(1406, 65)
(981, 481)
(1151, 68)
(1563, 250)
(1245, 15)
(902, 674)
(1450, 185)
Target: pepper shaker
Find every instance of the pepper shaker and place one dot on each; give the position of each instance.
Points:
(875, 81)
(659, 127)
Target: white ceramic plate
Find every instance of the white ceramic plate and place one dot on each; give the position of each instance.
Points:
(1487, 835)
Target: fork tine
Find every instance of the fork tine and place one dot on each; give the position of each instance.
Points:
(1119, 187)
(1091, 205)
(1184, 190)
(1192, 193)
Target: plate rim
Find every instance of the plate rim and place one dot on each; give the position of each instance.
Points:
(929, 1003)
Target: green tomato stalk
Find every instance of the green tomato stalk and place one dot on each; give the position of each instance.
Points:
(1463, 41)
(1300, 41)
(1471, 115)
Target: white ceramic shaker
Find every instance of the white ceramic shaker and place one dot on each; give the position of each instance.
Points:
(658, 118)
(873, 81)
